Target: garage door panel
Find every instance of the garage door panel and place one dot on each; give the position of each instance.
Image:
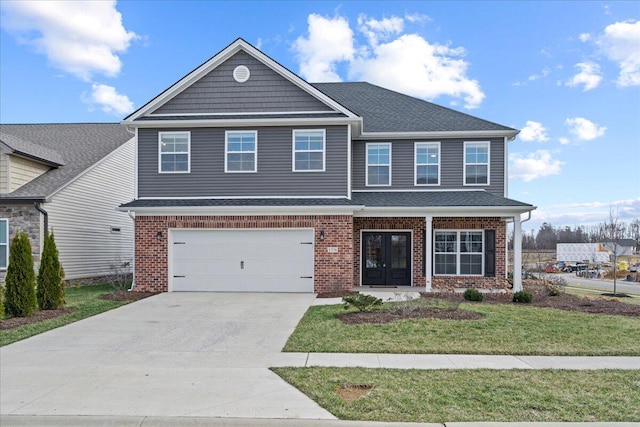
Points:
(242, 260)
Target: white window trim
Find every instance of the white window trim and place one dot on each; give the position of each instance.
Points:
(294, 151)
(464, 163)
(415, 163)
(458, 252)
(255, 151)
(175, 152)
(6, 221)
(366, 169)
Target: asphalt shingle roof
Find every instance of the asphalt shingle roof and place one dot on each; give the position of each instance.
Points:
(29, 149)
(384, 110)
(80, 145)
(368, 199)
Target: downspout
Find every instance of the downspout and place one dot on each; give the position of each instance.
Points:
(46, 217)
(133, 261)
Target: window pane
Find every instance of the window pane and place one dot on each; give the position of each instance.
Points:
(398, 251)
(174, 163)
(471, 264)
(3, 231)
(378, 175)
(471, 241)
(445, 264)
(445, 241)
(302, 145)
(3, 256)
(373, 247)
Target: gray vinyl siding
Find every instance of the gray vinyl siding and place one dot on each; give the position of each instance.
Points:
(265, 91)
(273, 178)
(451, 166)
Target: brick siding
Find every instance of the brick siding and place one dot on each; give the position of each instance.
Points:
(332, 271)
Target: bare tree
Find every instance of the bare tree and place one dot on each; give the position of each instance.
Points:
(613, 231)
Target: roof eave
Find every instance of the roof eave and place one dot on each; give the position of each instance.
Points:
(281, 121)
(509, 134)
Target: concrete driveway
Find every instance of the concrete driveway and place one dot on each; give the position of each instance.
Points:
(174, 354)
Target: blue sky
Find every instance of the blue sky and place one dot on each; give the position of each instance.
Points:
(566, 73)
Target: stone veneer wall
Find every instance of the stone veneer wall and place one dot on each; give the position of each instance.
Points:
(23, 218)
(332, 271)
(417, 225)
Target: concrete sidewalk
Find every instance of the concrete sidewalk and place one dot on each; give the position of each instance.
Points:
(460, 361)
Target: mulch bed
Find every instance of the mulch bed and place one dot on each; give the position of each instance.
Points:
(388, 316)
(38, 316)
(335, 294)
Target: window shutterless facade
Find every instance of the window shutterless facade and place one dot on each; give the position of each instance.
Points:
(174, 152)
(427, 163)
(4, 243)
(241, 151)
(458, 252)
(476, 163)
(309, 150)
(378, 169)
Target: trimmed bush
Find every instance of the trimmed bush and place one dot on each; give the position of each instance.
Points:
(50, 291)
(20, 292)
(473, 295)
(362, 302)
(523, 297)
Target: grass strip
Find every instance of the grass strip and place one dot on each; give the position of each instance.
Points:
(83, 300)
(474, 395)
(505, 329)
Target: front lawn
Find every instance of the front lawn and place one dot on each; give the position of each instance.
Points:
(392, 395)
(82, 301)
(505, 329)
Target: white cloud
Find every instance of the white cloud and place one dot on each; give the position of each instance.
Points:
(584, 129)
(589, 76)
(404, 62)
(584, 37)
(533, 131)
(587, 213)
(545, 72)
(563, 140)
(329, 41)
(79, 37)
(376, 30)
(534, 165)
(109, 100)
(417, 17)
(621, 44)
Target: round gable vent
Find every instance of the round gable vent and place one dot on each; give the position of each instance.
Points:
(241, 74)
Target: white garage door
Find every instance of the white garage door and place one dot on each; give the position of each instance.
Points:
(278, 260)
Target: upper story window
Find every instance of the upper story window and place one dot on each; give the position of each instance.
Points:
(174, 152)
(4, 243)
(476, 163)
(458, 252)
(378, 164)
(241, 151)
(309, 150)
(427, 163)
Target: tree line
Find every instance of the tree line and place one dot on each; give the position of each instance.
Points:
(547, 236)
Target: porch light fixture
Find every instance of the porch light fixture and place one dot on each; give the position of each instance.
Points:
(159, 236)
(321, 234)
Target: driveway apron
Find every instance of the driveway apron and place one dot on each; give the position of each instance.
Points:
(174, 354)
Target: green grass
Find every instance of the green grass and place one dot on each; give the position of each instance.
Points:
(83, 300)
(474, 395)
(505, 329)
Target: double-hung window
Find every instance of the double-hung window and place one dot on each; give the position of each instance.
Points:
(174, 152)
(378, 164)
(427, 163)
(241, 151)
(476, 163)
(458, 252)
(4, 243)
(309, 150)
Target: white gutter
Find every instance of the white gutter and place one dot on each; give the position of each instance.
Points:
(133, 262)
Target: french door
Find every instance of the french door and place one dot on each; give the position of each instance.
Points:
(386, 258)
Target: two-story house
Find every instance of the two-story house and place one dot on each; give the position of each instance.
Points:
(69, 179)
(248, 178)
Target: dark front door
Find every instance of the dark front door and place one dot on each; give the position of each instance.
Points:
(386, 258)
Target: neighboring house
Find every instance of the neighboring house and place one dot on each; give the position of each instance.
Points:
(69, 179)
(623, 247)
(249, 178)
